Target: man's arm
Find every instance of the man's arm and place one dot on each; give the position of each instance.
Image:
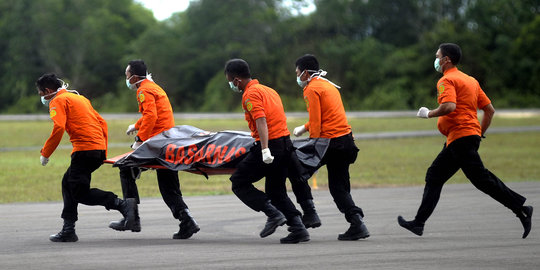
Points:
(442, 110)
(262, 129)
(489, 111)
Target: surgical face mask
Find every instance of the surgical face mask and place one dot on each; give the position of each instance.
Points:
(134, 85)
(300, 82)
(437, 65)
(47, 101)
(234, 87)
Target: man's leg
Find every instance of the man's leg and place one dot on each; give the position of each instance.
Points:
(466, 151)
(128, 176)
(443, 167)
(248, 171)
(276, 176)
(169, 187)
(302, 192)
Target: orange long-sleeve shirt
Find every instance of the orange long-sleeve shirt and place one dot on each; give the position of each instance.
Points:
(262, 101)
(462, 89)
(156, 110)
(73, 113)
(327, 118)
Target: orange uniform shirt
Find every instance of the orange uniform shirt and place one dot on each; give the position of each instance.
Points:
(156, 110)
(73, 113)
(327, 117)
(262, 101)
(462, 89)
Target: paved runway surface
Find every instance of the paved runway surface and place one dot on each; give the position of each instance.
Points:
(468, 230)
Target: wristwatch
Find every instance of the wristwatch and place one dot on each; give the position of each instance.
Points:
(137, 139)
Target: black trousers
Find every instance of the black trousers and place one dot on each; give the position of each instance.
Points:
(169, 187)
(463, 154)
(76, 184)
(301, 190)
(340, 154)
(252, 169)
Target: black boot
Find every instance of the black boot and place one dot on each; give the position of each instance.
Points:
(413, 226)
(275, 219)
(525, 216)
(188, 226)
(130, 211)
(298, 231)
(310, 218)
(357, 230)
(67, 234)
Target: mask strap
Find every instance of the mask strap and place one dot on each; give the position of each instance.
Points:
(320, 74)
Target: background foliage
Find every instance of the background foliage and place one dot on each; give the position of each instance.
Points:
(380, 52)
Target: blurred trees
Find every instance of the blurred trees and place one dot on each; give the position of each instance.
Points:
(380, 52)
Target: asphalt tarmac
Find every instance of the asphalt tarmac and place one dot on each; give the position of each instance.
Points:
(468, 230)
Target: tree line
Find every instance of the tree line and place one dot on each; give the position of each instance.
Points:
(380, 52)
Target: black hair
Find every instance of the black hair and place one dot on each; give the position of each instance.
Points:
(307, 62)
(48, 80)
(453, 51)
(237, 68)
(137, 67)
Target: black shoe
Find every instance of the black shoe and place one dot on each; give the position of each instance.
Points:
(275, 219)
(130, 211)
(357, 230)
(188, 226)
(310, 218)
(295, 237)
(67, 234)
(121, 225)
(526, 219)
(412, 226)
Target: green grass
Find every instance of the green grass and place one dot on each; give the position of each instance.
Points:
(392, 162)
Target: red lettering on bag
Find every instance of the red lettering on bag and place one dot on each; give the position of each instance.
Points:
(199, 156)
(240, 151)
(169, 153)
(219, 154)
(180, 155)
(190, 154)
(230, 154)
(210, 153)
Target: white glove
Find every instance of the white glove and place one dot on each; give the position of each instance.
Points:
(298, 131)
(267, 156)
(136, 145)
(43, 160)
(423, 112)
(131, 130)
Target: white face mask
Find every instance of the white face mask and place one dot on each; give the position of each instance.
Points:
(234, 87)
(134, 85)
(437, 65)
(300, 82)
(47, 101)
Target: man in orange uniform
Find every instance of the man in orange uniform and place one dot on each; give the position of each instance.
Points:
(327, 119)
(268, 157)
(459, 97)
(157, 116)
(87, 131)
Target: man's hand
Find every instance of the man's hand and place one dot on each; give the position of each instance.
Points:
(136, 145)
(131, 130)
(43, 160)
(298, 131)
(423, 113)
(267, 156)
